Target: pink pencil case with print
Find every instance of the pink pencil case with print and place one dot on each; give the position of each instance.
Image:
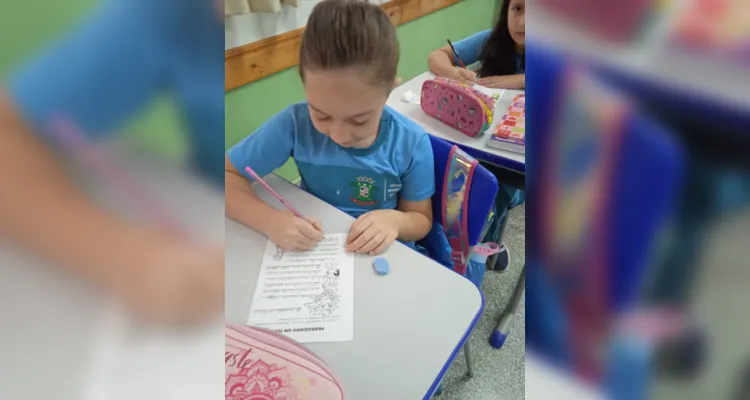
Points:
(457, 105)
(261, 364)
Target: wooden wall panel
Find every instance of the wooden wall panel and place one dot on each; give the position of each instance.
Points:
(257, 60)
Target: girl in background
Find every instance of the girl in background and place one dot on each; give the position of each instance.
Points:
(499, 52)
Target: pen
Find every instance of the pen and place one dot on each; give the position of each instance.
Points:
(98, 160)
(274, 193)
(460, 61)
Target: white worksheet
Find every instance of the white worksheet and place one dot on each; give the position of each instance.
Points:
(495, 93)
(308, 296)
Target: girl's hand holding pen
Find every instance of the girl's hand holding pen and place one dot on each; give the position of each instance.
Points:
(294, 233)
(465, 75)
(289, 229)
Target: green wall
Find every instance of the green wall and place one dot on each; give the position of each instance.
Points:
(249, 106)
(28, 26)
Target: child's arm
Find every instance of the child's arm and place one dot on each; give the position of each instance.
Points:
(243, 205)
(415, 219)
(42, 211)
(517, 81)
(443, 63)
(284, 229)
(264, 151)
(415, 199)
(161, 277)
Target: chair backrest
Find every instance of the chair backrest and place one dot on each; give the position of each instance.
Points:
(642, 184)
(481, 193)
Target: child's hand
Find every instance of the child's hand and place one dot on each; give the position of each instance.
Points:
(465, 75)
(503, 82)
(294, 233)
(171, 281)
(373, 233)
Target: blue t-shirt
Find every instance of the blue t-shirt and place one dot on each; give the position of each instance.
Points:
(114, 64)
(470, 49)
(399, 164)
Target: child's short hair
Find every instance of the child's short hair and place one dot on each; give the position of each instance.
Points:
(350, 33)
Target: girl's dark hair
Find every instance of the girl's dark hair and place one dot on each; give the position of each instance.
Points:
(350, 33)
(499, 54)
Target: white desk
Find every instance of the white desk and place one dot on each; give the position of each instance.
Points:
(545, 382)
(408, 325)
(54, 327)
(476, 147)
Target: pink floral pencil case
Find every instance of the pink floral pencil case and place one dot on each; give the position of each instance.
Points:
(261, 364)
(457, 105)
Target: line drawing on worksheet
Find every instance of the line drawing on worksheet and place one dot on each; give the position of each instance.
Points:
(306, 295)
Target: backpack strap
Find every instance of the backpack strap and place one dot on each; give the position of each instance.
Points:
(456, 183)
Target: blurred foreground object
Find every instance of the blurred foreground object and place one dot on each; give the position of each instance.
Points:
(545, 382)
(656, 55)
(633, 236)
(57, 326)
(615, 20)
(718, 27)
(113, 64)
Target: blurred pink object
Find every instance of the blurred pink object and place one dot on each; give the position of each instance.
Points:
(720, 25)
(457, 105)
(274, 193)
(103, 163)
(654, 324)
(614, 20)
(261, 364)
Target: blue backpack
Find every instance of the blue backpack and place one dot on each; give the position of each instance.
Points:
(448, 243)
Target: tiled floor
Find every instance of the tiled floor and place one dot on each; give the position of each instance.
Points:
(498, 373)
(720, 303)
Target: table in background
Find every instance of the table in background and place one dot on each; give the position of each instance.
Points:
(476, 147)
(408, 325)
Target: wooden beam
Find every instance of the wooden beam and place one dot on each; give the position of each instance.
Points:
(253, 61)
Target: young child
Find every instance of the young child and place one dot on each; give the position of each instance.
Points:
(351, 150)
(500, 52)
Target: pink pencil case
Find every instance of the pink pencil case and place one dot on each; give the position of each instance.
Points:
(457, 105)
(261, 364)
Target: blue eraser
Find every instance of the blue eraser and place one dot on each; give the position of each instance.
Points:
(381, 266)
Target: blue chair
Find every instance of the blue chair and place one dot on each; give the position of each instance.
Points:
(481, 198)
(647, 177)
(482, 195)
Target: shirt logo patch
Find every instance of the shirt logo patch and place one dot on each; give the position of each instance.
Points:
(364, 191)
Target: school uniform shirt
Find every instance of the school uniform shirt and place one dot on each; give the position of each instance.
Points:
(399, 164)
(119, 59)
(470, 49)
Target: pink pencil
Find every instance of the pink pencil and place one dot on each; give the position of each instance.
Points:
(274, 193)
(100, 162)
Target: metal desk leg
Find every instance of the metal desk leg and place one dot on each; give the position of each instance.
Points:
(506, 319)
(469, 359)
